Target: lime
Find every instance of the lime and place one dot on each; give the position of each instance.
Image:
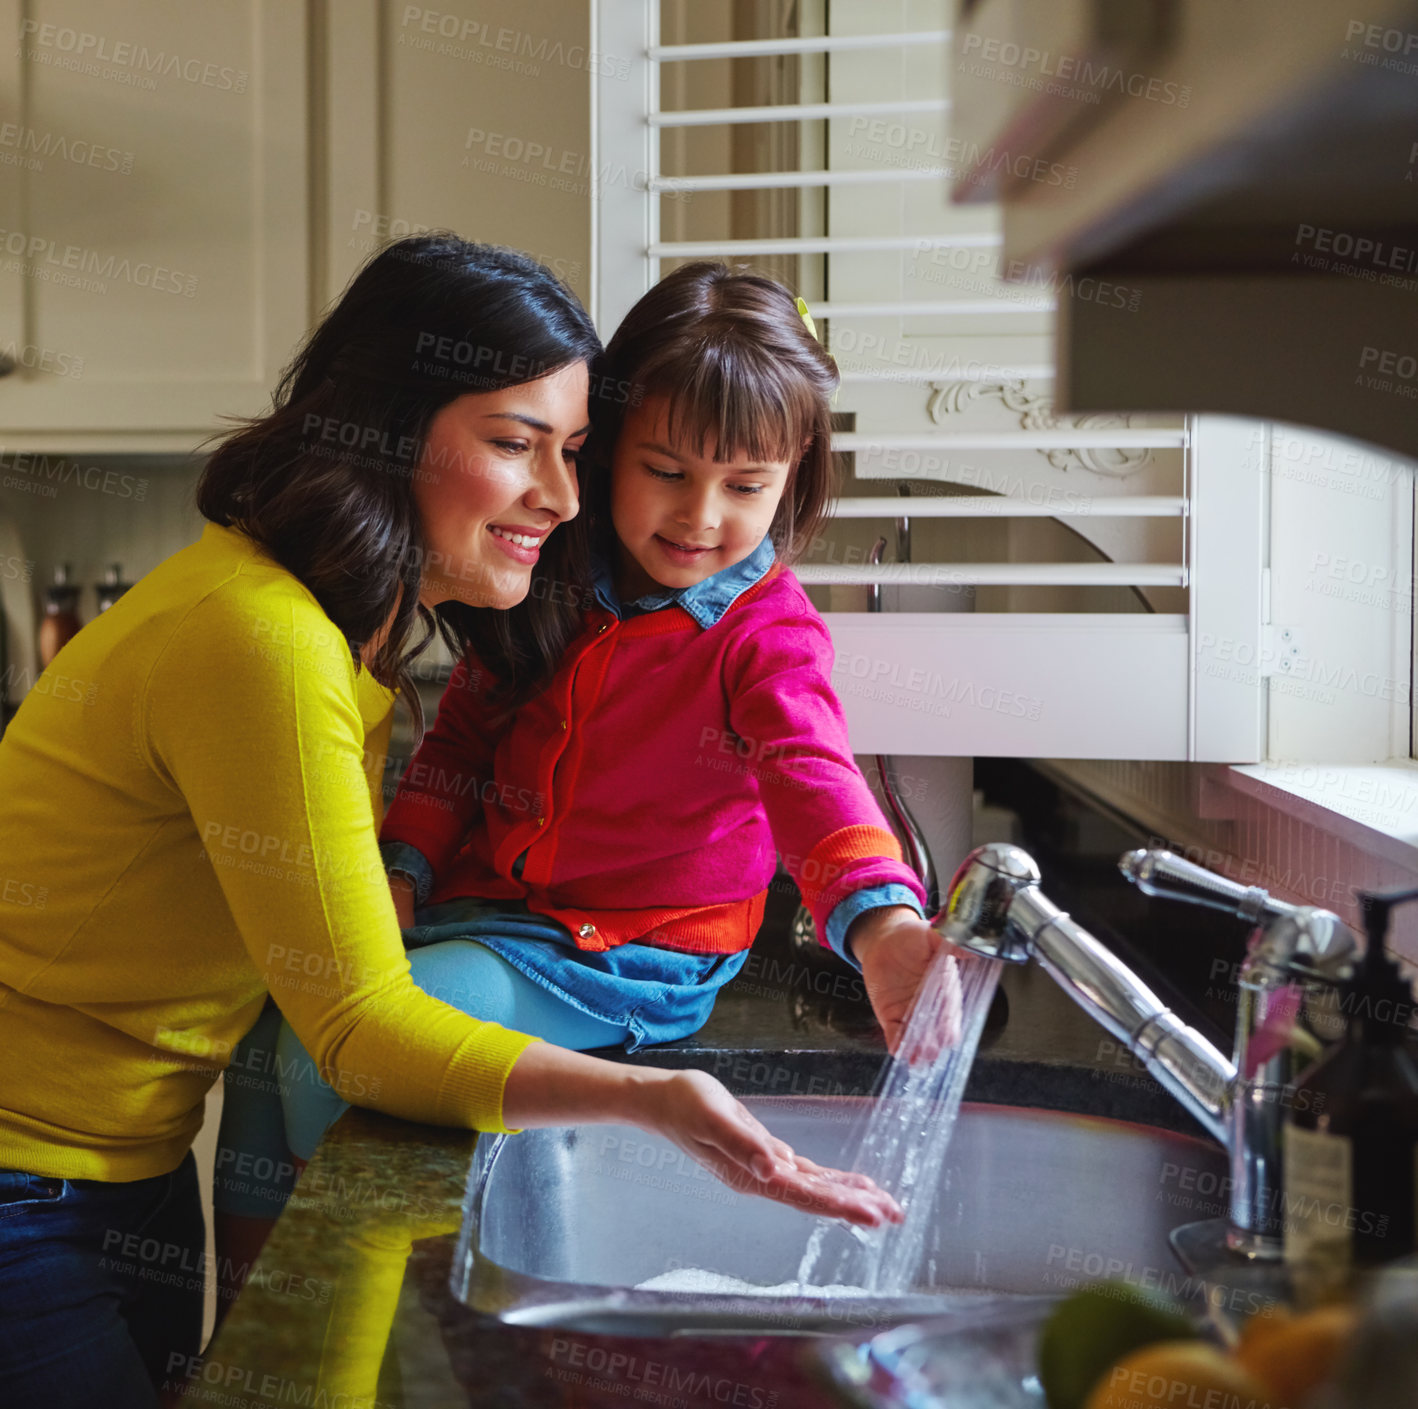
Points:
(1090, 1331)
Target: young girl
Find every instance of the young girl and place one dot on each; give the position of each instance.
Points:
(591, 864)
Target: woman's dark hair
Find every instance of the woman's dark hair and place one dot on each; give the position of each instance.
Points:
(741, 371)
(324, 482)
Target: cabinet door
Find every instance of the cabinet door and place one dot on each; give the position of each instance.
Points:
(469, 116)
(154, 245)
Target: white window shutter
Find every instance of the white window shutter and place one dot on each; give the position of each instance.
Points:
(936, 382)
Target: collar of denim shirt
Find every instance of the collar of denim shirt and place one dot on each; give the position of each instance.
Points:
(705, 601)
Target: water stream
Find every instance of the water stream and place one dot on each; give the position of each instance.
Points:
(904, 1143)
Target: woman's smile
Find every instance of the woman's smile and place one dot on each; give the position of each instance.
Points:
(522, 544)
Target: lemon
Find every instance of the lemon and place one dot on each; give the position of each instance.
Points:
(1263, 1327)
(1090, 1330)
(1172, 1373)
(1295, 1355)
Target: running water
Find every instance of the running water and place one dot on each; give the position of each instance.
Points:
(700, 1282)
(907, 1134)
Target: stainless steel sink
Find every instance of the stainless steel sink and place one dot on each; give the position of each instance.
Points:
(561, 1225)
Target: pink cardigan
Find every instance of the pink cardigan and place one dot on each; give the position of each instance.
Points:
(651, 784)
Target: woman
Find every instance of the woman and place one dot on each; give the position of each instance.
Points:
(189, 822)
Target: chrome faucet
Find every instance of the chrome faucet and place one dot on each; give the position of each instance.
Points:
(1296, 957)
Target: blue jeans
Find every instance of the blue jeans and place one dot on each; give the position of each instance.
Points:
(100, 1288)
(279, 1104)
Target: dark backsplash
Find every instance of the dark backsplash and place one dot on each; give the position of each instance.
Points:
(1188, 955)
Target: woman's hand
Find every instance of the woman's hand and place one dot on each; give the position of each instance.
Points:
(695, 1112)
(549, 1085)
(896, 949)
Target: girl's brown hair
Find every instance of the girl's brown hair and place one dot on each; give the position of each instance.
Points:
(742, 374)
(324, 481)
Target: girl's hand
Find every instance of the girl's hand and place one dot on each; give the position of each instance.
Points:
(896, 949)
(402, 889)
(695, 1112)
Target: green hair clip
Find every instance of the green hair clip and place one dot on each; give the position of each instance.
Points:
(807, 318)
(812, 328)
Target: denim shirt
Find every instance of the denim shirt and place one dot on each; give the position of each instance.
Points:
(659, 994)
(705, 601)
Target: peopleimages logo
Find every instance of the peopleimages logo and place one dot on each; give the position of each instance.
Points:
(60, 46)
(917, 145)
(459, 37)
(1384, 369)
(34, 358)
(924, 690)
(29, 147)
(556, 168)
(1380, 47)
(39, 257)
(1362, 249)
(633, 1376)
(36, 473)
(1093, 77)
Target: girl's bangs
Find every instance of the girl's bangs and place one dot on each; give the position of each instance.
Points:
(721, 400)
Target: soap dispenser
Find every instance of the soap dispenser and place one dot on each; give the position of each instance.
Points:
(1351, 1143)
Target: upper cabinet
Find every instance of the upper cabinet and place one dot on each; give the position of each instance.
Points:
(465, 115)
(1247, 169)
(184, 187)
(154, 217)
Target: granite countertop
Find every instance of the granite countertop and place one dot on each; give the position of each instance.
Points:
(349, 1305)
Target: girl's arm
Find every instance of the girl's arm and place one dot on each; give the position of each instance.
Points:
(401, 888)
(826, 824)
(895, 949)
(439, 798)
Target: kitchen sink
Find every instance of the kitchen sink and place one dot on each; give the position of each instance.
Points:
(561, 1225)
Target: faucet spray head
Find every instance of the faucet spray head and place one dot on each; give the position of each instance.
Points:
(976, 914)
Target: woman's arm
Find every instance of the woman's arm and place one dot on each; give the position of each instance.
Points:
(551, 1086)
(251, 714)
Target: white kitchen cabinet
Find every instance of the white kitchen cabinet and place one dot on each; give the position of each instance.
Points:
(154, 217)
(184, 187)
(469, 115)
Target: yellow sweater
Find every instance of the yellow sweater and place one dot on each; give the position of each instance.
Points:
(188, 820)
